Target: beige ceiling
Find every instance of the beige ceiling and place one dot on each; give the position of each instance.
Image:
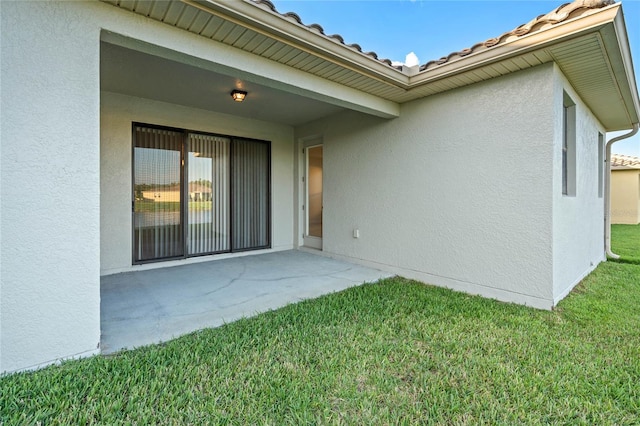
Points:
(135, 73)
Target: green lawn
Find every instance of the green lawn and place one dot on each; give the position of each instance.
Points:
(169, 206)
(394, 352)
(625, 241)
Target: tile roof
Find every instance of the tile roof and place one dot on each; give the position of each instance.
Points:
(556, 16)
(317, 28)
(619, 161)
(560, 14)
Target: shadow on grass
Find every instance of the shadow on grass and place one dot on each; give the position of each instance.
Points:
(624, 261)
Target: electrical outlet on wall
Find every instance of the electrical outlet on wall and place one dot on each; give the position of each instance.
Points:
(356, 233)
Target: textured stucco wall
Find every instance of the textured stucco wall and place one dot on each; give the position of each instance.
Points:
(578, 221)
(119, 111)
(50, 184)
(625, 196)
(455, 192)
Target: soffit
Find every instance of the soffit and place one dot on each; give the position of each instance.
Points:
(234, 23)
(589, 44)
(135, 73)
(586, 66)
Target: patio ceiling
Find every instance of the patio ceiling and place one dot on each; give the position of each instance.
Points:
(590, 46)
(135, 73)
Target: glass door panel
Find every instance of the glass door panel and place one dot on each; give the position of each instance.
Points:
(157, 210)
(208, 194)
(250, 177)
(314, 191)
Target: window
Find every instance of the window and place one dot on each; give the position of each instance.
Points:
(196, 193)
(568, 146)
(600, 164)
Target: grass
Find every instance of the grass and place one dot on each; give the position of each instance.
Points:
(169, 206)
(394, 352)
(626, 242)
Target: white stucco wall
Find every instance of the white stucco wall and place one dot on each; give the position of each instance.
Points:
(455, 192)
(578, 221)
(50, 220)
(119, 111)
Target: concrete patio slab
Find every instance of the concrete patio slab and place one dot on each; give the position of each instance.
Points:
(140, 308)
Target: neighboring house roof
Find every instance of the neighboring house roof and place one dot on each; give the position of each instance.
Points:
(624, 162)
(586, 38)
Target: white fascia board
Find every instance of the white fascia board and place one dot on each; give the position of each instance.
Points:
(274, 25)
(153, 37)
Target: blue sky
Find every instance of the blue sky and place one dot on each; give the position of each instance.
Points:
(432, 29)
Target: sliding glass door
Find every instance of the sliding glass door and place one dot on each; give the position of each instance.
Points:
(214, 198)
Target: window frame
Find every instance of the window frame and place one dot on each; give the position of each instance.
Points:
(569, 146)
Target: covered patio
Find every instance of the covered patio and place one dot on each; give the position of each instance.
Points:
(151, 306)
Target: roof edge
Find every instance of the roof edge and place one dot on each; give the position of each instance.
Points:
(262, 17)
(626, 58)
(526, 43)
(562, 13)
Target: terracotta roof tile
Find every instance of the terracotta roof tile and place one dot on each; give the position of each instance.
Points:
(336, 37)
(558, 15)
(619, 161)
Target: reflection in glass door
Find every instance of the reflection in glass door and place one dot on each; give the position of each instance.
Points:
(157, 209)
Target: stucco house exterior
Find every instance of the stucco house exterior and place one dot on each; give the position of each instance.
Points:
(625, 189)
(101, 96)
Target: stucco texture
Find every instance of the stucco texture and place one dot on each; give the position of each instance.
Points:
(455, 192)
(578, 221)
(50, 178)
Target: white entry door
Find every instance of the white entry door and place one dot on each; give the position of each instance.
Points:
(313, 197)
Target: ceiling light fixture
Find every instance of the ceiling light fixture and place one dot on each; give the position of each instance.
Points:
(238, 95)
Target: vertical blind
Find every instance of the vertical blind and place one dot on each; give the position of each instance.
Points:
(223, 206)
(208, 194)
(250, 179)
(158, 231)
